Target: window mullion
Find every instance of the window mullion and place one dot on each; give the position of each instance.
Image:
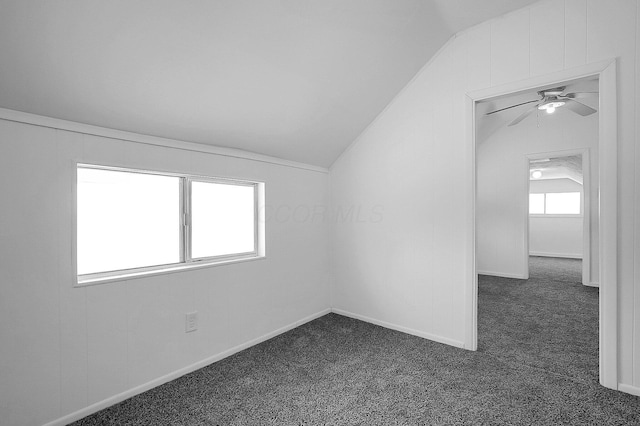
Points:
(256, 218)
(181, 219)
(186, 220)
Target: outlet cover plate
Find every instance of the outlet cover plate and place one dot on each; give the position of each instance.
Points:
(191, 322)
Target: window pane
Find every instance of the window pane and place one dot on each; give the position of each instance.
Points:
(126, 220)
(222, 219)
(563, 203)
(536, 203)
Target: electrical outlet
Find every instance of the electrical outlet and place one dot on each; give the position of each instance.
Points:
(191, 322)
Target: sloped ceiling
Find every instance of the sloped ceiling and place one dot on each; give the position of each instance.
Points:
(295, 79)
(567, 167)
(487, 125)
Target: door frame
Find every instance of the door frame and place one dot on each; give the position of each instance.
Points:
(607, 204)
(586, 207)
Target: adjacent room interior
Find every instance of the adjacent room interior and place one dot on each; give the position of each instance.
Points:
(319, 212)
(537, 165)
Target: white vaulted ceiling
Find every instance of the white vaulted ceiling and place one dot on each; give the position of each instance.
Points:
(295, 79)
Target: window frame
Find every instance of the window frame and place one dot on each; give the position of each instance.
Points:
(186, 262)
(188, 229)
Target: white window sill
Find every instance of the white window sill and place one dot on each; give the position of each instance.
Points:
(159, 270)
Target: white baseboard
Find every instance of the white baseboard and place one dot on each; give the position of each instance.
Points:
(77, 415)
(633, 390)
(502, 274)
(592, 284)
(563, 255)
(396, 327)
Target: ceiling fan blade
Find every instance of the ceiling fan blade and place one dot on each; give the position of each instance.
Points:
(523, 116)
(579, 108)
(512, 106)
(579, 95)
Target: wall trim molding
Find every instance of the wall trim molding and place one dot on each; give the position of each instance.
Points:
(633, 390)
(502, 275)
(93, 408)
(89, 129)
(407, 330)
(561, 255)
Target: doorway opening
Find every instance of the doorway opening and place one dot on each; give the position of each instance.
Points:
(511, 255)
(562, 212)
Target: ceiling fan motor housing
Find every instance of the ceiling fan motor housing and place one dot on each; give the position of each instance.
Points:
(552, 92)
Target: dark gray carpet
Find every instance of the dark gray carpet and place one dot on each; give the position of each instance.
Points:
(549, 321)
(537, 364)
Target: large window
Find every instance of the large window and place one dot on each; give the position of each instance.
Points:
(555, 203)
(126, 220)
(134, 222)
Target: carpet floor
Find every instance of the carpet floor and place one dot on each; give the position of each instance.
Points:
(537, 363)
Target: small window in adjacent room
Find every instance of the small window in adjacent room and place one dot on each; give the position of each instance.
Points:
(135, 222)
(555, 203)
(562, 203)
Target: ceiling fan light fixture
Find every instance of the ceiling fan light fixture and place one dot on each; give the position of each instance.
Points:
(549, 101)
(550, 107)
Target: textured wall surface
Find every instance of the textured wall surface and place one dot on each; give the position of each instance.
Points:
(66, 348)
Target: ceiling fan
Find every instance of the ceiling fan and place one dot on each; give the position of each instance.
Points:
(551, 99)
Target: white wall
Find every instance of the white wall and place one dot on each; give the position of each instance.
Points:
(552, 235)
(409, 269)
(502, 172)
(65, 348)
